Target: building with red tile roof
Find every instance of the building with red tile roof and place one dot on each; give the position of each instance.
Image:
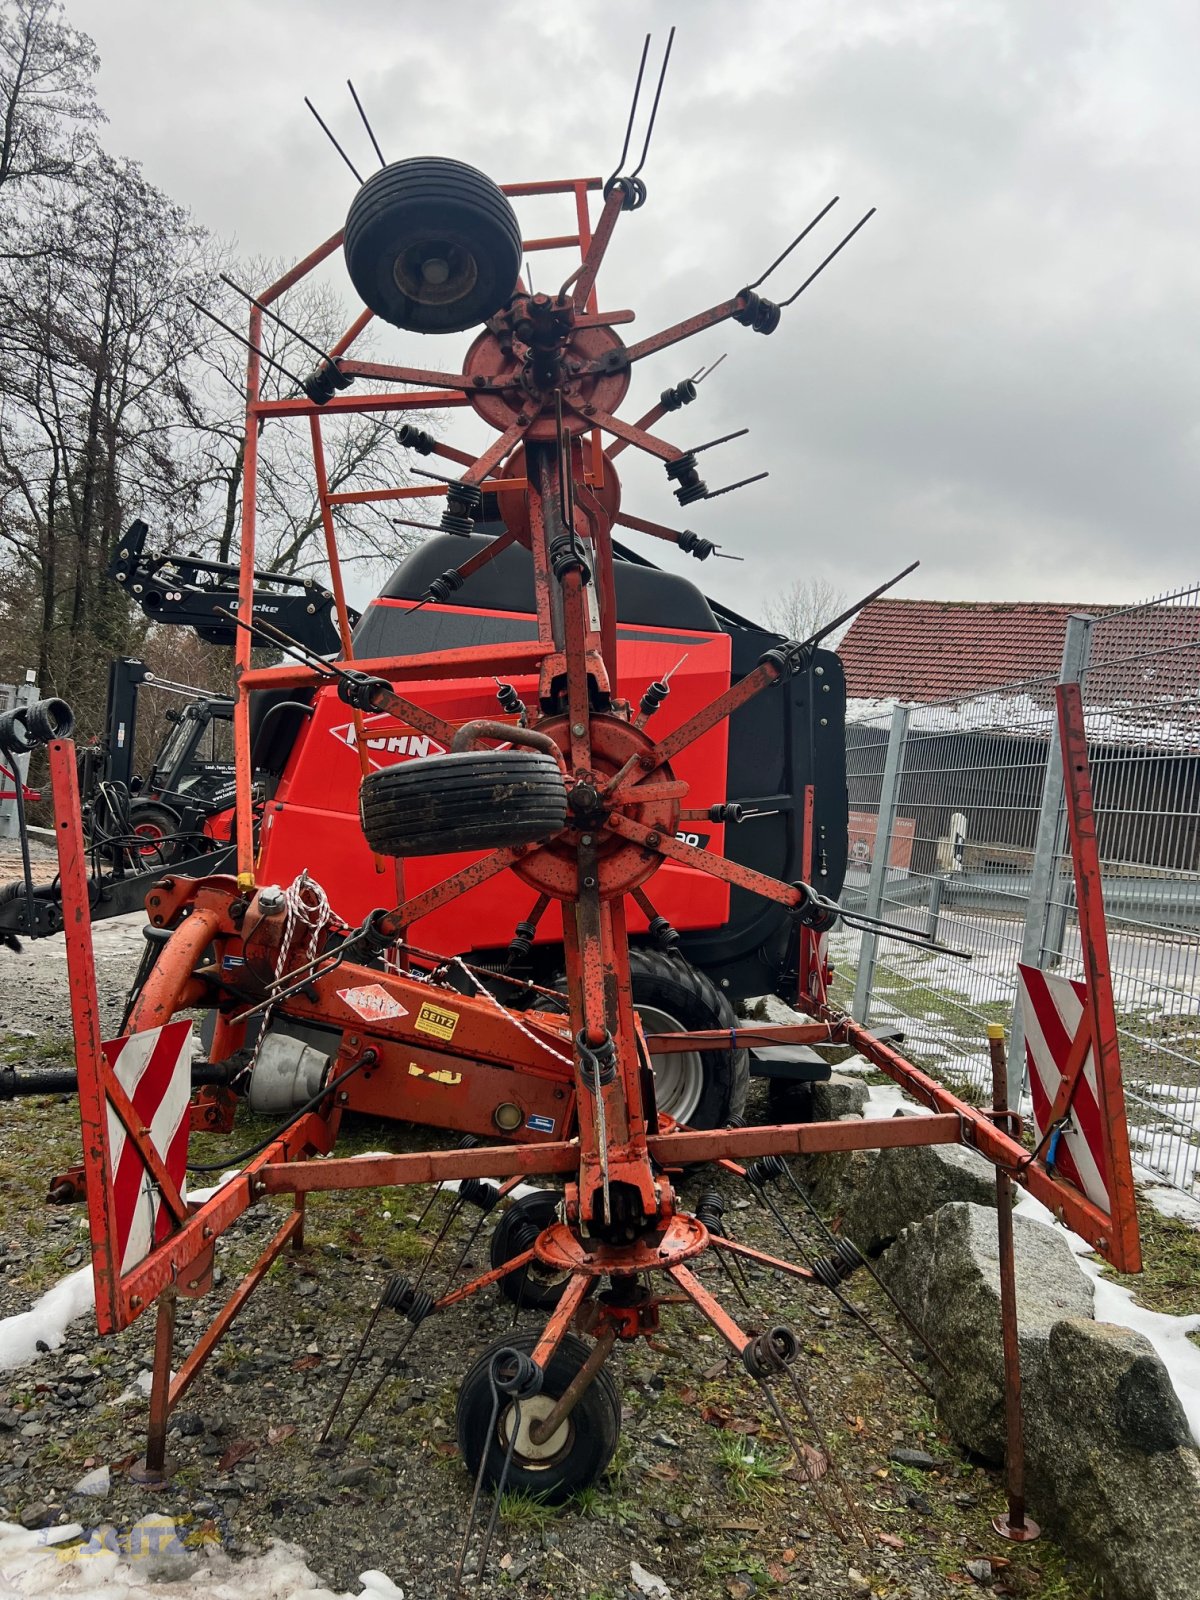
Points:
(923, 651)
(926, 650)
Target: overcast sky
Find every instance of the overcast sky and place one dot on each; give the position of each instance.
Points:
(997, 376)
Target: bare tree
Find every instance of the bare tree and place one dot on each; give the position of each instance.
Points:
(361, 451)
(95, 336)
(118, 399)
(804, 607)
(47, 92)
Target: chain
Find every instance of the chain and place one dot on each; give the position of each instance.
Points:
(306, 907)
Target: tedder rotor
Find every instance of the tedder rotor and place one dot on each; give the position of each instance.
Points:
(566, 789)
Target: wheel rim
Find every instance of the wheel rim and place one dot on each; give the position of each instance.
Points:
(152, 835)
(435, 272)
(678, 1078)
(536, 1457)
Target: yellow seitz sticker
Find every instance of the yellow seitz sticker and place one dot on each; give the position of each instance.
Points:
(437, 1021)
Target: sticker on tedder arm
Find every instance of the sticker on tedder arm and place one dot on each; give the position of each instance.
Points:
(372, 1002)
(436, 1020)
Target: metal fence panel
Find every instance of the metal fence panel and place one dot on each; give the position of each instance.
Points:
(975, 853)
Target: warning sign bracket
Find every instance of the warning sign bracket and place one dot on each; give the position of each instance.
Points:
(1071, 1029)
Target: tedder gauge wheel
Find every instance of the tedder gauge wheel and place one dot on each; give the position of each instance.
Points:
(473, 800)
(576, 1453)
(536, 1285)
(432, 245)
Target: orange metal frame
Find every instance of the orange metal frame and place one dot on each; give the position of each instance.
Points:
(623, 1157)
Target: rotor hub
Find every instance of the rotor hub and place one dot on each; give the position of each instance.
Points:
(682, 1237)
(538, 342)
(620, 865)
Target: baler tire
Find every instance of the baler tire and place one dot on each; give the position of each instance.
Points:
(437, 201)
(14, 889)
(672, 986)
(588, 1435)
(470, 800)
(159, 825)
(686, 999)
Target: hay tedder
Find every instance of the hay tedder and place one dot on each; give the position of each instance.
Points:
(555, 782)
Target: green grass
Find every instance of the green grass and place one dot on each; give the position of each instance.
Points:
(749, 1469)
(588, 1502)
(527, 1512)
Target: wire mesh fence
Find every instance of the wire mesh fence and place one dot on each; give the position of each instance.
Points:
(959, 833)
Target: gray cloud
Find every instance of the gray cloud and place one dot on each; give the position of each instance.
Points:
(997, 376)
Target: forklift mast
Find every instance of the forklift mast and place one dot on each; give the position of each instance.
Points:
(125, 676)
(191, 592)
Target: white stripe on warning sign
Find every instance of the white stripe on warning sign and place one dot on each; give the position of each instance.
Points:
(154, 1069)
(1052, 1008)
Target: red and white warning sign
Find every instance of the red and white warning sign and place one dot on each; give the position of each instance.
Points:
(1059, 1047)
(372, 1002)
(155, 1070)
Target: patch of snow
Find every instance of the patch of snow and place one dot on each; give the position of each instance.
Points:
(1170, 1202)
(1168, 1335)
(519, 1193)
(1167, 1154)
(889, 1099)
(30, 1565)
(47, 1320)
(199, 1196)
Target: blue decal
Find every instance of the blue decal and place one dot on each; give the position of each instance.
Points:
(540, 1124)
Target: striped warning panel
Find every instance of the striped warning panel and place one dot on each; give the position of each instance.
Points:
(155, 1070)
(1052, 1008)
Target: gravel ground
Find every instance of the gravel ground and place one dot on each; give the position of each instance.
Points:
(703, 1491)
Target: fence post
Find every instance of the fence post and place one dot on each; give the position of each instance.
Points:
(24, 694)
(889, 793)
(1045, 918)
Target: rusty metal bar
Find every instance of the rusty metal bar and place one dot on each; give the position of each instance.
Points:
(665, 1044)
(85, 1022)
(543, 1428)
(293, 1228)
(1126, 1251)
(1012, 1524)
(978, 1131)
(154, 1468)
(302, 406)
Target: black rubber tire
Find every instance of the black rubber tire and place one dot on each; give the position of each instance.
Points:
(14, 889)
(789, 1102)
(430, 208)
(534, 1286)
(670, 984)
(153, 815)
(592, 1429)
(476, 800)
(673, 985)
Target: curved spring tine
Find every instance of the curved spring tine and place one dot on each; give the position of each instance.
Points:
(637, 89)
